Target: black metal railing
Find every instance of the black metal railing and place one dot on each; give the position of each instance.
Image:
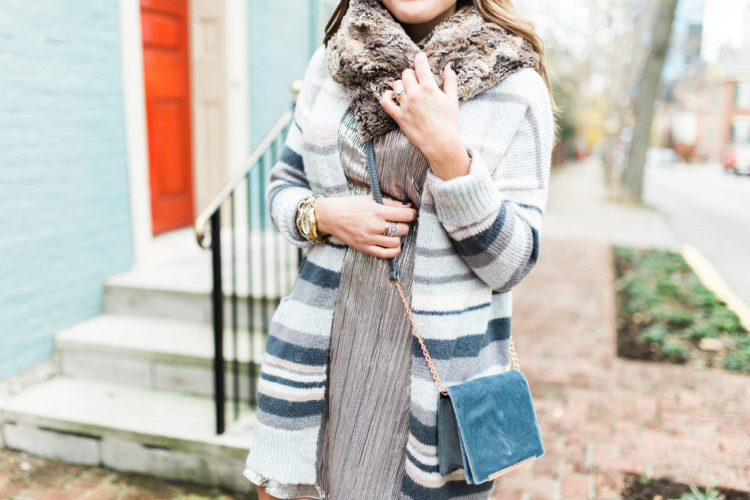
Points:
(261, 267)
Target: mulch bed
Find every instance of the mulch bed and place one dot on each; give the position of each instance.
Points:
(665, 314)
(666, 489)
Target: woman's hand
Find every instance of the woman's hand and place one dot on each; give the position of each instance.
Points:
(359, 221)
(428, 116)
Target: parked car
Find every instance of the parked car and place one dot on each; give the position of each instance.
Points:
(737, 159)
(660, 156)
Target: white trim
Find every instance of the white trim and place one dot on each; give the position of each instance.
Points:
(238, 93)
(134, 98)
(238, 96)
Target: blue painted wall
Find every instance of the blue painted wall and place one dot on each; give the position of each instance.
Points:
(64, 206)
(283, 36)
(279, 51)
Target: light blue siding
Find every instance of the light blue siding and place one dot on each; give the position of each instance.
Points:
(64, 206)
(283, 36)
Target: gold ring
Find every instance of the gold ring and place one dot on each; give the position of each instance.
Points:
(398, 95)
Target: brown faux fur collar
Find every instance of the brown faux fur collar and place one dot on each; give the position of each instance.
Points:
(371, 49)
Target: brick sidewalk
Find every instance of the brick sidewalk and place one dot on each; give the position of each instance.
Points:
(601, 415)
(27, 477)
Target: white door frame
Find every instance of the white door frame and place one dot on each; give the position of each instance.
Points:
(134, 103)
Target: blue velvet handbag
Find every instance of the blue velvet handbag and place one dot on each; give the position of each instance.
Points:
(486, 426)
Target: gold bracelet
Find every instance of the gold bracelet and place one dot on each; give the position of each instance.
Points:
(306, 222)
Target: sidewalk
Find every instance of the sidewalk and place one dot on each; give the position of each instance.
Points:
(578, 208)
(601, 415)
(26, 477)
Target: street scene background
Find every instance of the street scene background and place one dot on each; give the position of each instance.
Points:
(140, 268)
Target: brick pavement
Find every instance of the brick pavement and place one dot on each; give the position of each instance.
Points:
(27, 477)
(601, 415)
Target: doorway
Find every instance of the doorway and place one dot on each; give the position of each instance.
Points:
(166, 65)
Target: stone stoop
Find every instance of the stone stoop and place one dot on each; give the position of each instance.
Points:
(183, 294)
(151, 431)
(132, 388)
(154, 353)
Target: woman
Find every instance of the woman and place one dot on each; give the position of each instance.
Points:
(455, 98)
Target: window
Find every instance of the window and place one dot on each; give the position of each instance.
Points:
(742, 95)
(741, 131)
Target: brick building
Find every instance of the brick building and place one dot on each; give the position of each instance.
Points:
(707, 109)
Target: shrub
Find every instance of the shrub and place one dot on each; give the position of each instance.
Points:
(695, 494)
(675, 350)
(664, 311)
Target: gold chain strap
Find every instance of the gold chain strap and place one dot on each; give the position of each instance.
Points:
(426, 353)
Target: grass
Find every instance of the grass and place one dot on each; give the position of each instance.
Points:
(665, 313)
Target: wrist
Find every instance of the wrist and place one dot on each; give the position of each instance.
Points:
(321, 216)
(449, 159)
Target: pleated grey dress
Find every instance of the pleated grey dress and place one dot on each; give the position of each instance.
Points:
(365, 427)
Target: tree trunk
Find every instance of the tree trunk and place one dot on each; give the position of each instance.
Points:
(643, 103)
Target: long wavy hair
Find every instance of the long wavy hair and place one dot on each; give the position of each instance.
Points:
(501, 12)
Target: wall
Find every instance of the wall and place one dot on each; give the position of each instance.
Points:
(64, 209)
(283, 36)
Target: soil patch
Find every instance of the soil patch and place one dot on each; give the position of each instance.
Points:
(665, 313)
(639, 488)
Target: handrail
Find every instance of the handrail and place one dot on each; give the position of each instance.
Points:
(203, 218)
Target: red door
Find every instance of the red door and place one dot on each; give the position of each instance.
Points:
(166, 70)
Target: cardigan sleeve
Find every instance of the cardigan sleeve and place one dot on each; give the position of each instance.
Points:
(493, 215)
(288, 183)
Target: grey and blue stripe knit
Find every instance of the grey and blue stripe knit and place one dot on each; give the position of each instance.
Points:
(479, 235)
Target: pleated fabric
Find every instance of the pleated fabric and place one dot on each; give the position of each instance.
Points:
(365, 427)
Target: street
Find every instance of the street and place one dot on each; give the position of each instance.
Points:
(710, 210)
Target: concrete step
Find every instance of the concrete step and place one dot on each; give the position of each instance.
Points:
(154, 353)
(174, 280)
(156, 432)
(184, 292)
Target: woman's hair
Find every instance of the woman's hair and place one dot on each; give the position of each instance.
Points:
(501, 12)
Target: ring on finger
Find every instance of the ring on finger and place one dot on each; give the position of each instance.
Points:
(399, 94)
(391, 228)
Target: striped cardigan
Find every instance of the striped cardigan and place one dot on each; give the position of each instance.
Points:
(478, 236)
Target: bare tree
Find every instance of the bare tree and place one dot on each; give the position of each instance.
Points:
(643, 101)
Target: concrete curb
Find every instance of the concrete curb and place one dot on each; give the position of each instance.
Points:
(713, 280)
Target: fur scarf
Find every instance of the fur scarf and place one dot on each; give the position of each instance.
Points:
(371, 49)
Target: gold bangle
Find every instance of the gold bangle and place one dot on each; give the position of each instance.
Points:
(306, 222)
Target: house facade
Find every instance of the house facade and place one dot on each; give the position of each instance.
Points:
(707, 109)
(119, 121)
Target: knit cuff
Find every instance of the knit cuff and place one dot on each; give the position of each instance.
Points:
(466, 199)
(285, 456)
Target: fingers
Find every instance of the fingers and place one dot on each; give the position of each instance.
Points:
(409, 79)
(383, 253)
(450, 81)
(400, 92)
(398, 214)
(403, 229)
(395, 203)
(390, 106)
(423, 71)
(386, 241)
